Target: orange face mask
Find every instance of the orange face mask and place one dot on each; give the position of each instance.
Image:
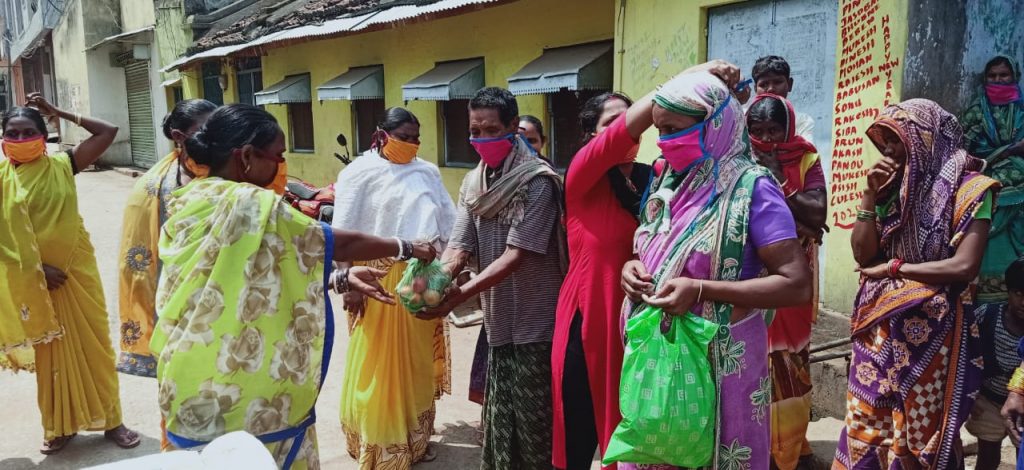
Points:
(198, 170)
(280, 182)
(26, 150)
(399, 152)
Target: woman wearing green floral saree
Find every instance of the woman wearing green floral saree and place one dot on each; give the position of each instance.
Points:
(994, 131)
(245, 330)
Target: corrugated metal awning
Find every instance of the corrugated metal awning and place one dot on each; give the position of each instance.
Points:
(216, 52)
(447, 81)
(171, 82)
(139, 36)
(582, 67)
(294, 89)
(402, 13)
(337, 27)
(359, 83)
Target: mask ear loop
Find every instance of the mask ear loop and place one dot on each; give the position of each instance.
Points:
(742, 86)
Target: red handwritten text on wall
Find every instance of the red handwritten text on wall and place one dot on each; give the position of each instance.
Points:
(864, 85)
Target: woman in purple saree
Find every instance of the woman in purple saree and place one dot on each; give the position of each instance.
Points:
(717, 240)
(920, 235)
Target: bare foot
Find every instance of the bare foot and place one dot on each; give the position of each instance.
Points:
(124, 438)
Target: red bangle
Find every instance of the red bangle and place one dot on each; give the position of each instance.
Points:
(894, 267)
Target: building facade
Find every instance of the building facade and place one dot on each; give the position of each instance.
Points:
(325, 68)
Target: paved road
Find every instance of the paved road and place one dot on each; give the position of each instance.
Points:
(102, 199)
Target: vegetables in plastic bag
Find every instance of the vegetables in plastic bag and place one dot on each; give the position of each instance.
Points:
(422, 285)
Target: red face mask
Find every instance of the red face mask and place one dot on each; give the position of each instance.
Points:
(1000, 94)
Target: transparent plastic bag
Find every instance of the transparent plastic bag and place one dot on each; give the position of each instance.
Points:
(422, 285)
(666, 394)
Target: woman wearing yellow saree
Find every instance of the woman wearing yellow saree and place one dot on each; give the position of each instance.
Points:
(77, 383)
(146, 211)
(244, 331)
(397, 365)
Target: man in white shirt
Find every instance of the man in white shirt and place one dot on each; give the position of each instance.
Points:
(771, 75)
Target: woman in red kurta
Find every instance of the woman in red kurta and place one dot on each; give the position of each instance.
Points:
(603, 188)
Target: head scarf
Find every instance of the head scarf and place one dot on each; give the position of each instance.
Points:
(1014, 68)
(792, 150)
(921, 226)
(700, 95)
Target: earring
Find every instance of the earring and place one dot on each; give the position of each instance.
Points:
(247, 168)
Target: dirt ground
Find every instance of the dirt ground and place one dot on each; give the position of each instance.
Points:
(102, 197)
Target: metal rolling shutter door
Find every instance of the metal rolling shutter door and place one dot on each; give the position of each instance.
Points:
(140, 114)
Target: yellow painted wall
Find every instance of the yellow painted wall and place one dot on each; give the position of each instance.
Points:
(857, 107)
(507, 37)
(173, 36)
(654, 41)
(191, 84)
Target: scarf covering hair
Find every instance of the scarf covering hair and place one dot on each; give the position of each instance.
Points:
(921, 226)
(505, 198)
(795, 154)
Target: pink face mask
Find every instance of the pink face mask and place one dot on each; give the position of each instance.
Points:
(1002, 93)
(686, 147)
(493, 150)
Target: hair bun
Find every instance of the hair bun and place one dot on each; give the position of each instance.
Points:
(197, 147)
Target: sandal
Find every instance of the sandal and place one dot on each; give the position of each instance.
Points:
(124, 438)
(55, 445)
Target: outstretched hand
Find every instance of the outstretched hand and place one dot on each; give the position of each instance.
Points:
(366, 280)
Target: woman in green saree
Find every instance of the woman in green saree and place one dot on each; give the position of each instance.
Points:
(245, 329)
(994, 131)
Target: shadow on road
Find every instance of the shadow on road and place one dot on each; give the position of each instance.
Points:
(458, 446)
(17, 463)
(85, 451)
(823, 451)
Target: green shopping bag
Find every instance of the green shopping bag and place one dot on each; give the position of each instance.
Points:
(666, 394)
(422, 285)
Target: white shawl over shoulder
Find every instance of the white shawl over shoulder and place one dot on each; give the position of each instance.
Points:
(377, 197)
